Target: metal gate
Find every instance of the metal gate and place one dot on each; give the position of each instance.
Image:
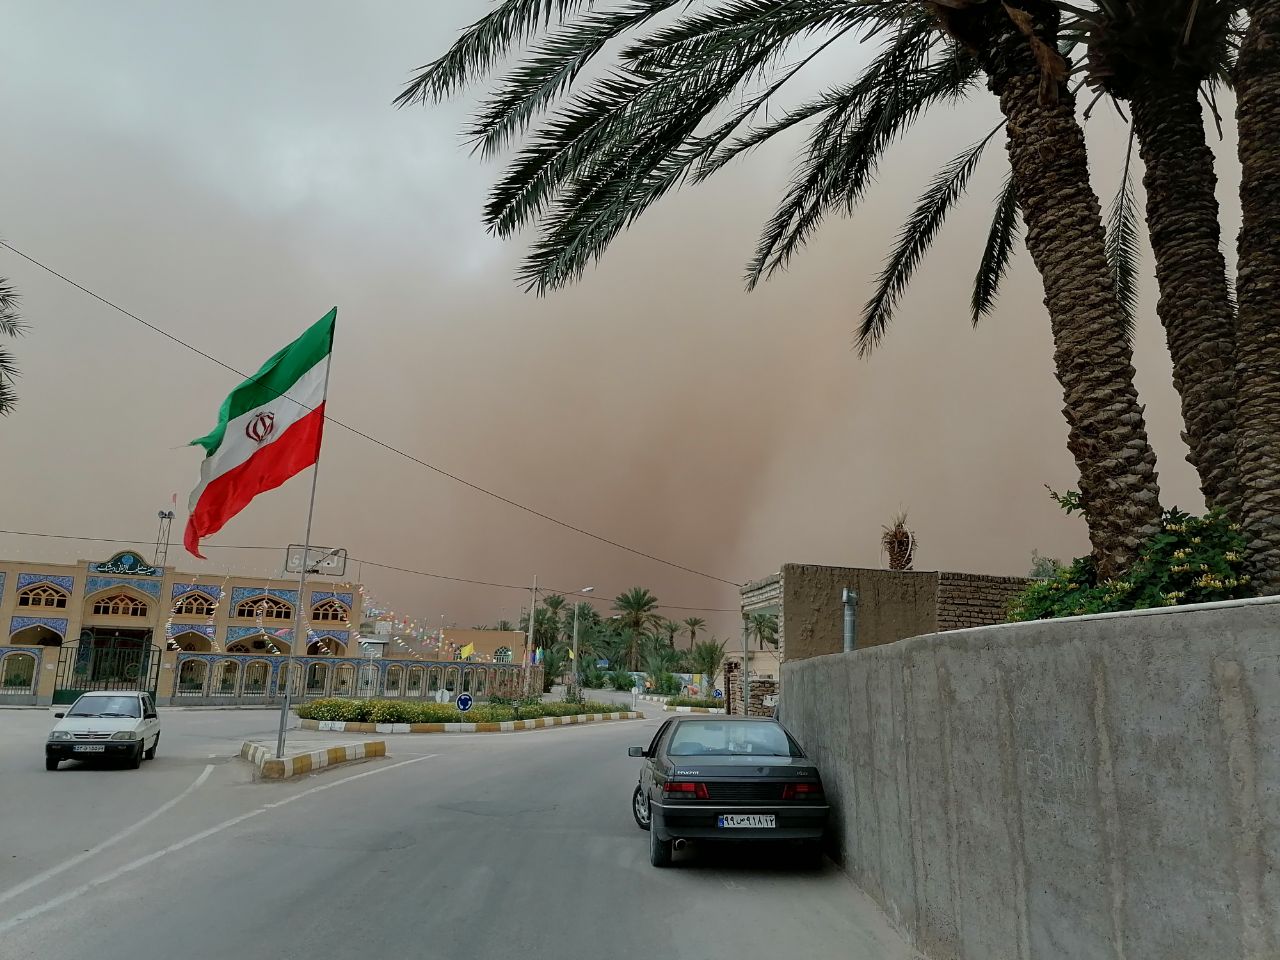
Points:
(106, 663)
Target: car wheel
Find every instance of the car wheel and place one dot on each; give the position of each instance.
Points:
(135, 761)
(640, 808)
(50, 763)
(155, 745)
(659, 850)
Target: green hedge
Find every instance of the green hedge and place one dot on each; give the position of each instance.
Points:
(696, 702)
(404, 711)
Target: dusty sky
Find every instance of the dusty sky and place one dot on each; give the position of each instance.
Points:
(229, 171)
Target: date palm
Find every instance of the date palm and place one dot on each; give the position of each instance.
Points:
(692, 625)
(899, 543)
(764, 628)
(11, 325)
(1258, 420)
(680, 104)
(706, 658)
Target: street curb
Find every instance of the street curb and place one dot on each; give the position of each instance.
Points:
(653, 698)
(670, 709)
(503, 726)
(270, 768)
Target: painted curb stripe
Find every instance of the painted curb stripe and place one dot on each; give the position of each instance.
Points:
(504, 726)
(272, 768)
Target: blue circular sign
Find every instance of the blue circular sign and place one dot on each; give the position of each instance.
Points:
(719, 694)
(464, 702)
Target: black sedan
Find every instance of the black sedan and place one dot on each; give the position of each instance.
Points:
(727, 778)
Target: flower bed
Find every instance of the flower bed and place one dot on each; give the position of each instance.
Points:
(402, 711)
(710, 702)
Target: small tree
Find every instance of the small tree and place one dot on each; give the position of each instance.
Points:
(706, 658)
(899, 543)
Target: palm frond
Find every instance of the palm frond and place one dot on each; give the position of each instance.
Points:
(914, 240)
(8, 373)
(844, 151)
(1005, 225)
(1122, 242)
(550, 69)
(483, 44)
(11, 325)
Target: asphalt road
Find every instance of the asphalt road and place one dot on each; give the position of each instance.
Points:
(510, 845)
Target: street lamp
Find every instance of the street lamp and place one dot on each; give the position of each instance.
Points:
(577, 683)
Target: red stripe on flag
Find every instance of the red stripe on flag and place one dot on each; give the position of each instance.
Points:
(295, 450)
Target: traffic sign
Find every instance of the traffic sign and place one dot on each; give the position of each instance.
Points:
(719, 694)
(464, 702)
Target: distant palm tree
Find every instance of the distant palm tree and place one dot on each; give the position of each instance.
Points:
(10, 326)
(637, 610)
(706, 658)
(505, 625)
(899, 543)
(670, 628)
(692, 625)
(764, 627)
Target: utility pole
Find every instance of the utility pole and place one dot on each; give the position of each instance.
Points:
(528, 643)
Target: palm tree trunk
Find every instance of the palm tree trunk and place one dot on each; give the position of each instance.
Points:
(1016, 43)
(1195, 302)
(1258, 325)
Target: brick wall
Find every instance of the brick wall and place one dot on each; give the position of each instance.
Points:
(974, 600)
(760, 689)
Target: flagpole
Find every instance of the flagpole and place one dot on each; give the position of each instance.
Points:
(298, 635)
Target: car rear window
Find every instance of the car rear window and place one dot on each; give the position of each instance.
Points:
(700, 738)
(104, 706)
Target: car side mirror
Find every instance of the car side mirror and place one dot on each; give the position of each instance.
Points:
(635, 751)
(58, 716)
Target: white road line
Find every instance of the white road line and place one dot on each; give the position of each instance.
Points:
(7, 925)
(80, 858)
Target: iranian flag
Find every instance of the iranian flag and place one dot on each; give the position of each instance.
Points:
(268, 430)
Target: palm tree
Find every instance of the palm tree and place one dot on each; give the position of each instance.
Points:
(11, 325)
(637, 610)
(680, 107)
(692, 625)
(505, 625)
(670, 628)
(899, 543)
(555, 603)
(1258, 416)
(764, 627)
(706, 658)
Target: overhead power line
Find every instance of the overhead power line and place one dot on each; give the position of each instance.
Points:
(371, 439)
(369, 563)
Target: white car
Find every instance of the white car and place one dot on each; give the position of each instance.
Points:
(120, 724)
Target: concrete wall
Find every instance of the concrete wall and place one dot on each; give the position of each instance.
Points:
(892, 604)
(1102, 787)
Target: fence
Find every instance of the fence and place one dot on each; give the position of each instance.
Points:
(19, 674)
(211, 679)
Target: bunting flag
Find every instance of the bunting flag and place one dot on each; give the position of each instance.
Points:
(466, 651)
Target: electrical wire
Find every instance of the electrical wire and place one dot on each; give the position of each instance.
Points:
(371, 439)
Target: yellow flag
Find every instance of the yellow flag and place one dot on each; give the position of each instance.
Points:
(571, 656)
(466, 651)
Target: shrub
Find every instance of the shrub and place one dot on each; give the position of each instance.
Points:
(592, 676)
(405, 711)
(695, 702)
(622, 680)
(1191, 560)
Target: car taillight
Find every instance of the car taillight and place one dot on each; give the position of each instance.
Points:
(802, 791)
(686, 789)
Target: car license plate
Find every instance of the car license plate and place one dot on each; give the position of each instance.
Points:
(90, 748)
(747, 820)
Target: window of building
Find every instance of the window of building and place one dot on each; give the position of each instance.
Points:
(329, 610)
(119, 605)
(268, 608)
(42, 595)
(194, 605)
(502, 655)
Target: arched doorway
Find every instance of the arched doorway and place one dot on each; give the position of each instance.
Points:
(192, 642)
(191, 678)
(17, 674)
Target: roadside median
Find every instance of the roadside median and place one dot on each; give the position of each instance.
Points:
(496, 726)
(270, 767)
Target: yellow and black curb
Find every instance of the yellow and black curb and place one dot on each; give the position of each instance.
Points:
(504, 726)
(271, 768)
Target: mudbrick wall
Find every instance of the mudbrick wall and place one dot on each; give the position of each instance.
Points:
(1091, 788)
(760, 690)
(975, 600)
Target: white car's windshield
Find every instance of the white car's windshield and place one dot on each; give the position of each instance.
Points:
(106, 706)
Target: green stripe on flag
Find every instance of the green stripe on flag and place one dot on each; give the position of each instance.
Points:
(274, 379)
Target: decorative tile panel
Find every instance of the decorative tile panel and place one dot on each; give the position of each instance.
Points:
(2, 576)
(36, 652)
(181, 589)
(239, 633)
(240, 594)
(94, 584)
(340, 635)
(205, 630)
(56, 624)
(27, 579)
(318, 596)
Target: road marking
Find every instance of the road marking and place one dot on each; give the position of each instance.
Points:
(80, 858)
(81, 890)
